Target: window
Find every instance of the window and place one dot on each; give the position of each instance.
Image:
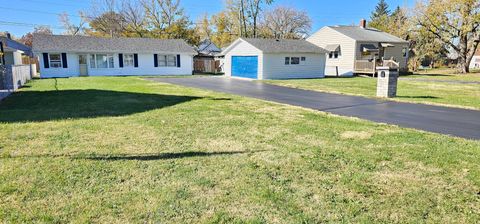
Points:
(128, 60)
(55, 60)
(295, 60)
(167, 60)
(287, 60)
(101, 61)
(303, 59)
(333, 54)
(404, 52)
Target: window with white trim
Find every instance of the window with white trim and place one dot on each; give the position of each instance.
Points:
(287, 60)
(101, 61)
(128, 60)
(167, 60)
(55, 60)
(404, 52)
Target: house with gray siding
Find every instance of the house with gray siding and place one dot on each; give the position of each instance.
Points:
(67, 56)
(359, 49)
(13, 51)
(256, 58)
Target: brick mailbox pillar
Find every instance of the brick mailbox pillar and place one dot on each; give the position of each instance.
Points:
(387, 82)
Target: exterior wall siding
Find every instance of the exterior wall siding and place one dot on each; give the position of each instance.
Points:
(475, 63)
(397, 54)
(243, 49)
(345, 61)
(145, 67)
(274, 66)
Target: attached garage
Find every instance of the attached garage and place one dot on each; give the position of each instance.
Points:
(274, 59)
(245, 66)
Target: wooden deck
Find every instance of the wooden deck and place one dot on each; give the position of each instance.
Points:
(370, 66)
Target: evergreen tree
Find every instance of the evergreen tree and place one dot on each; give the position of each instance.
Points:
(380, 17)
(380, 10)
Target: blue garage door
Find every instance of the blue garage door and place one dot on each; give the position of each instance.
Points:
(245, 66)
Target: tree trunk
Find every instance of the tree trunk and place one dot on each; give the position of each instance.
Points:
(463, 55)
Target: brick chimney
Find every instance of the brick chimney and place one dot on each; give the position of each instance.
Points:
(363, 23)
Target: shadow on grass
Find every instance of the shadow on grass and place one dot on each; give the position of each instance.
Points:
(418, 97)
(70, 104)
(160, 156)
(139, 157)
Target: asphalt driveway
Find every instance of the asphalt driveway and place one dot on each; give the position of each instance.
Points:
(452, 121)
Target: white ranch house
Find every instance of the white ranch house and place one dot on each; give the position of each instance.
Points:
(358, 49)
(273, 59)
(67, 56)
(475, 63)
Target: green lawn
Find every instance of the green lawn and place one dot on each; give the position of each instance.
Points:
(409, 89)
(122, 149)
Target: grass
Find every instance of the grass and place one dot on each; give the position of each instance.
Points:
(429, 88)
(122, 149)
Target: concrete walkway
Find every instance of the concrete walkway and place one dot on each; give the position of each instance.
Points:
(452, 121)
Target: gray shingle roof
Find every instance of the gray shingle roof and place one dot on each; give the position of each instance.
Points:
(9, 43)
(367, 34)
(284, 46)
(208, 47)
(63, 43)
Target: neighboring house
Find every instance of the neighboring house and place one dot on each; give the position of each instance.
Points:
(475, 63)
(274, 59)
(66, 56)
(358, 49)
(208, 48)
(13, 50)
(208, 58)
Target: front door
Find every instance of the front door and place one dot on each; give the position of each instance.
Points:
(82, 61)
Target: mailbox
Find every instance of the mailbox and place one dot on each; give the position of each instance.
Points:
(387, 79)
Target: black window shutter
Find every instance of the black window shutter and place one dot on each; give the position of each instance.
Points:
(45, 60)
(178, 61)
(64, 60)
(155, 60)
(120, 60)
(135, 60)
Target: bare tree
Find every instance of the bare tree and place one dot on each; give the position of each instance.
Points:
(134, 16)
(285, 23)
(254, 9)
(73, 29)
(106, 19)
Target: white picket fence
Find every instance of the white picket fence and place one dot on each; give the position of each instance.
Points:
(13, 77)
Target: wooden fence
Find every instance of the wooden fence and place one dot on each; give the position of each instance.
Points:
(206, 66)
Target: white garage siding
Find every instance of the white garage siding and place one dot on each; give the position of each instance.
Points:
(345, 61)
(242, 48)
(145, 67)
(475, 63)
(274, 66)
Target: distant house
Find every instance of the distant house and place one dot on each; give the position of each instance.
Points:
(66, 56)
(208, 48)
(274, 59)
(358, 49)
(208, 59)
(475, 63)
(13, 50)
